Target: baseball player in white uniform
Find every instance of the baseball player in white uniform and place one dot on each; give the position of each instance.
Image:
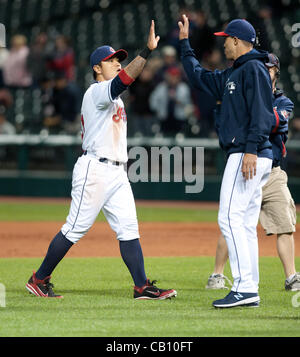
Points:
(99, 180)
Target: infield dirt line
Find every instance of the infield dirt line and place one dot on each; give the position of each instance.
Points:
(142, 203)
(159, 239)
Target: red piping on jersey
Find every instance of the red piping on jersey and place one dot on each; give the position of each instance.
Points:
(125, 78)
(277, 121)
(283, 150)
(82, 129)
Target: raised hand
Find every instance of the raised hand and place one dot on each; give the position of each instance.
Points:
(152, 39)
(183, 28)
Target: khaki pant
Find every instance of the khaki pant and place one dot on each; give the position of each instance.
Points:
(278, 211)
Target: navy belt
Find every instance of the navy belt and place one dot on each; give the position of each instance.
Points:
(106, 161)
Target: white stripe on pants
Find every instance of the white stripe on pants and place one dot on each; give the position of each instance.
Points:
(239, 209)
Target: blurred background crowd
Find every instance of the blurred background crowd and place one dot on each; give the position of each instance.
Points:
(44, 70)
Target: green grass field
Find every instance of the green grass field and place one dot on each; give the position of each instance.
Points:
(98, 292)
(98, 302)
(11, 211)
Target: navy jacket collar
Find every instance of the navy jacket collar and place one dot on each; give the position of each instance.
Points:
(253, 54)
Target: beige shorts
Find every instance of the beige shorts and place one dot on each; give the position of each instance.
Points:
(278, 211)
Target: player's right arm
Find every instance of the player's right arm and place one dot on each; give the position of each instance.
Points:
(212, 82)
(128, 74)
(135, 67)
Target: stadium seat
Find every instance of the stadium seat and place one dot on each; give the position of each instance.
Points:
(125, 24)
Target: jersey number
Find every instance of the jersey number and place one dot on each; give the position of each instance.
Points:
(121, 115)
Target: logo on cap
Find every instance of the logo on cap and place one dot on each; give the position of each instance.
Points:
(103, 53)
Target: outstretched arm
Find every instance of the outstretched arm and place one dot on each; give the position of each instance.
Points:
(183, 28)
(212, 83)
(135, 67)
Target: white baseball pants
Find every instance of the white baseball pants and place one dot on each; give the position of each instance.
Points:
(239, 209)
(96, 186)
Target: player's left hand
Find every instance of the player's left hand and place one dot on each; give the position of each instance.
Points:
(152, 39)
(249, 166)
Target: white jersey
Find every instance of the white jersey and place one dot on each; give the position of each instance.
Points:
(104, 123)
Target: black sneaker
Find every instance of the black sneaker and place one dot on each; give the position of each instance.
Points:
(41, 288)
(151, 292)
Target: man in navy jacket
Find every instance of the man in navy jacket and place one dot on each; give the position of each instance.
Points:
(243, 126)
(278, 212)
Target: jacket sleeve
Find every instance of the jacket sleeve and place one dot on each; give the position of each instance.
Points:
(282, 113)
(258, 96)
(212, 82)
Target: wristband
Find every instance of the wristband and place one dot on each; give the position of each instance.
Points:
(145, 53)
(125, 78)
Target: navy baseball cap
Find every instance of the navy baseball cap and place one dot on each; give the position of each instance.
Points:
(273, 61)
(241, 29)
(103, 53)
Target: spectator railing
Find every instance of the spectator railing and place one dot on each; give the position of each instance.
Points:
(29, 161)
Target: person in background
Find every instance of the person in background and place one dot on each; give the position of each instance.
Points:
(3, 56)
(171, 101)
(6, 101)
(38, 58)
(202, 37)
(15, 70)
(63, 59)
(64, 101)
(142, 120)
(169, 59)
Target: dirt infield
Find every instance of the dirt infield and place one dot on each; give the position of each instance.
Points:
(31, 239)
